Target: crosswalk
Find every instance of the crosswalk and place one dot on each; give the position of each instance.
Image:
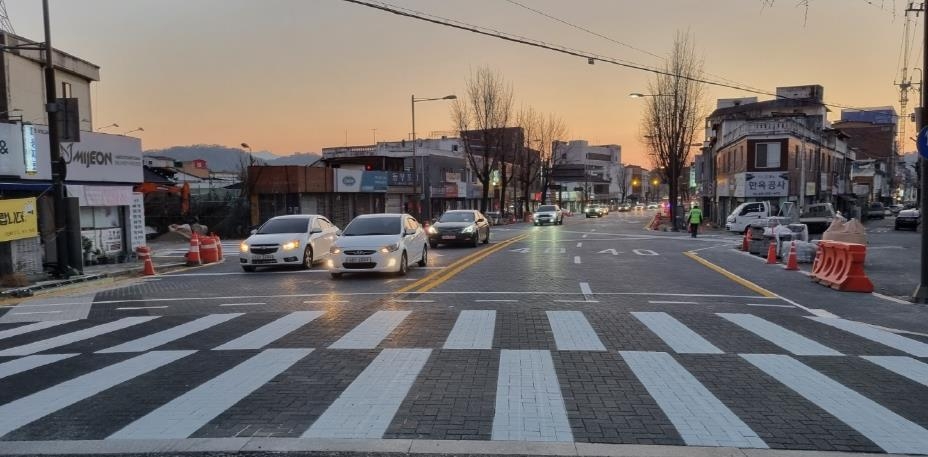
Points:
(512, 393)
(228, 248)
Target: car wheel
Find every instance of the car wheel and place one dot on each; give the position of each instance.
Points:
(336, 276)
(487, 239)
(307, 258)
(249, 269)
(425, 257)
(475, 241)
(404, 265)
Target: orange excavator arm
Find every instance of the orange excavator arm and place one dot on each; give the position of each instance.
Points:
(183, 192)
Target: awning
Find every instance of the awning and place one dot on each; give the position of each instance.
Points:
(25, 186)
(101, 195)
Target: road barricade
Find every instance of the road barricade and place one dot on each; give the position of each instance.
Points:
(840, 266)
(208, 251)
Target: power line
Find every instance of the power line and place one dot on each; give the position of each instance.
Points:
(590, 57)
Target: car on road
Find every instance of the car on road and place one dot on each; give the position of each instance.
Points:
(895, 209)
(383, 243)
(639, 207)
(653, 206)
(876, 210)
(548, 214)
(298, 239)
(593, 211)
(460, 226)
(908, 218)
(624, 208)
(494, 217)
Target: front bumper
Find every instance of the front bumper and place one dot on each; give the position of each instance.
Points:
(544, 218)
(266, 258)
(906, 222)
(370, 261)
(452, 237)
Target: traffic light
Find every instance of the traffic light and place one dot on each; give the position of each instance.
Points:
(368, 167)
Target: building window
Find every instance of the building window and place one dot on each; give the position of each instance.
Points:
(796, 157)
(767, 155)
(65, 90)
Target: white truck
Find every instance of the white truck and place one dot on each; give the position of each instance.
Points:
(817, 216)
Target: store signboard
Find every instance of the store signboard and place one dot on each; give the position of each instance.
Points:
(12, 162)
(137, 221)
(97, 157)
(374, 181)
(18, 219)
(769, 184)
(361, 181)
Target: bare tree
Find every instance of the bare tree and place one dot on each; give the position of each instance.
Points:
(481, 116)
(674, 114)
(528, 160)
(551, 129)
(625, 177)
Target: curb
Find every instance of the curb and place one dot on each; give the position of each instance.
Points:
(29, 291)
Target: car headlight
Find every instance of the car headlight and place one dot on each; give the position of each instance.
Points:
(469, 229)
(290, 245)
(335, 250)
(243, 247)
(731, 219)
(390, 248)
(432, 230)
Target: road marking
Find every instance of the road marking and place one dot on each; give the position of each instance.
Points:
(30, 408)
(738, 279)
(786, 339)
(186, 414)
(699, 417)
(73, 337)
(366, 408)
(678, 336)
(521, 250)
(907, 345)
(580, 244)
(585, 235)
(892, 299)
(577, 259)
(27, 363)
(132, 308)
(892, 432)
(769, 305)
(586, 291)
(147, 343)
(30, 328)
(665, 302)
(243, 304)
(472, 330)
(645, 252)
(555, 250)
(576, 301)
(609, 251)
(35, 312)
(324, 302)
(434, 280)
(529, 405)
(904, 366)
(496, 301)
(273, 331)
(413, 301)
(573, 332)
(369, 334)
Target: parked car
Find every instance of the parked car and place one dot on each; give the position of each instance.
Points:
(876, 210)
(548, 214)
(460, 226)
(494, 217)
(895, 209)
(300, 239)
(593, 211)
(639, 207)
(379, 243)
(817, 216)
(908, 218)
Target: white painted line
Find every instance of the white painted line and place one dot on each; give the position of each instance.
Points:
(324, 302)
(369, 334)
(36, 312)
(822, 313)
(242, 304)
(645, 252)
(576, 301)
(887, 429)
(27, 363)
(413, 301)
(186, 414)
(73, 337)
(892, 299)
(584, 235)
(786, 339)
(678, 336)
(529, 405)
(580, 244)
(147, 343)
(665, 302)
(904, 366)
(586, 291)
(472, 330)
(577, 259)
(273, 331)
(907, 345)
(366, 408)
(130, 308)
(30, 328)
(30, 408)
(771, 305)
(496, 301)
(573, 332)
(699, 417)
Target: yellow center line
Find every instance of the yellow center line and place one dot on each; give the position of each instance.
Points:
(441, 276)
(738, 279)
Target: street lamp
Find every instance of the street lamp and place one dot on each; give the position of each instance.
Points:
(426, 198)
(108, 126)
(640, 95)
(138, 129)
(251, 158)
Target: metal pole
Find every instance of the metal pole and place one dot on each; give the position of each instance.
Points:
(802, 174)
(415, 185)
(59, 168)
(921, 294)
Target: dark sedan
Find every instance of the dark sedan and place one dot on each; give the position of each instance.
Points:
(908, 218)
(464, 226)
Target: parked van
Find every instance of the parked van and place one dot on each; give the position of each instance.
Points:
(746, 213)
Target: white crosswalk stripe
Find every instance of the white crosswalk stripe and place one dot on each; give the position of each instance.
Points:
(472, 330)
(32, 407)
(369, 334)
(572, 332)
(907, 345)
(17, 366)
(273, 331)
(30, 328)
(905, 366)
(152, 341)
(786, 339)
(73, 337)
(678, 336)
(529, 404)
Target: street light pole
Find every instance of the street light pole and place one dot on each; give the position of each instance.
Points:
(426, 198)
(921, 294)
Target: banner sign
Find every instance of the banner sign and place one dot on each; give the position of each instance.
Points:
(770, 184)
(18, 219)
(374, 181)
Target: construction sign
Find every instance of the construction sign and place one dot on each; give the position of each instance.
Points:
(18, 219)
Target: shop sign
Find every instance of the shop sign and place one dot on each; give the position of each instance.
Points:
(12, 161)
(770, 184)
(361, 181)
(98, 157)
(18, 219)
(374, 181)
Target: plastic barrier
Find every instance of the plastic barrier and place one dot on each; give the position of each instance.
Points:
(144, 253)
(208, 251)
(841, 266)
(193, 256)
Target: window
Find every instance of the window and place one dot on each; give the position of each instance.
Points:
(65, 90)
(317, 225)
(767, 155)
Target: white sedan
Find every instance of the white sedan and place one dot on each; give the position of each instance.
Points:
(299, 239)
(379, 243)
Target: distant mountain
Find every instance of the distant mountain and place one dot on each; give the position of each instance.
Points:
(299, 158)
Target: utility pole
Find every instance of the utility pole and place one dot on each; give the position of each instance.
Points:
(921, 294)
(59, 168)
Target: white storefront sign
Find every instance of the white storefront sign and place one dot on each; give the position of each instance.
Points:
(137, 221)
(12, 160)
(102, 195)
(348, 180)
(767, 184)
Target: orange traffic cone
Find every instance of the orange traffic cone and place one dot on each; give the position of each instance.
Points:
(772, 253)
(193, 256)
(745, 243)
(218, 246)
(145, 254)
(792, 263)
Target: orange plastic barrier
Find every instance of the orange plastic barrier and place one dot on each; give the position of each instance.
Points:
(208, 251)
(193, 256)
(144, 253)
(841, 266)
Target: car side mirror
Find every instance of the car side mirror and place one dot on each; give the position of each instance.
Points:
(338, 233)
(253, 231)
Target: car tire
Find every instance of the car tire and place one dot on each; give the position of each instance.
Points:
(487, 239)
(248, 268)
(404, 265)
(425, 257)
(336, 275)
(307, 258)
(476, 240)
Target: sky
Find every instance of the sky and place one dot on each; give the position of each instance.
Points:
(291, 76)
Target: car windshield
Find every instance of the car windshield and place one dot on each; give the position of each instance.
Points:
(387, 225)
(457, 216)
(284, 225)
(546, 208)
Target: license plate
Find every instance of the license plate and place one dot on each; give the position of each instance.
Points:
(358, 260)
(448, 237)
(262, 257)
